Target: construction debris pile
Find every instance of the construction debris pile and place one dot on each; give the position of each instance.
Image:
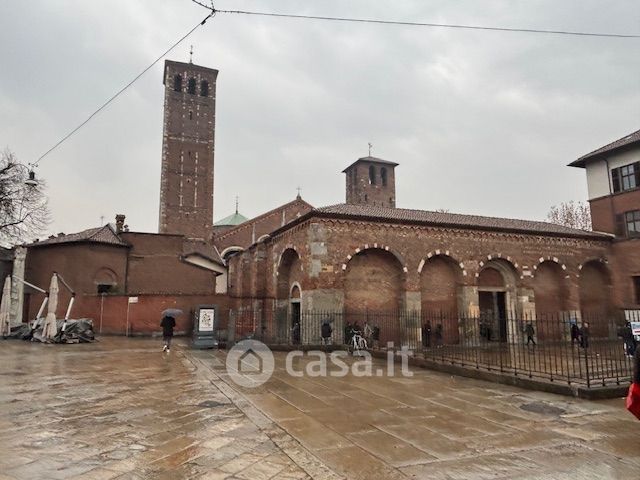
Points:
(68, 331)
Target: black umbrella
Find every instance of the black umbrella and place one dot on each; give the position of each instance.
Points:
(172, 312)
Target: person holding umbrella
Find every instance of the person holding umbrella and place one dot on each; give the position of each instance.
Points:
(168, 323)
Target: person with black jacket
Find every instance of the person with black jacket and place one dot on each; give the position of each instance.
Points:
(168, 324)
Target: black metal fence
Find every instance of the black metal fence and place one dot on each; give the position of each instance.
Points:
(586, 349)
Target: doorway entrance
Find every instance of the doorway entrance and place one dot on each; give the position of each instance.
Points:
(493, 315)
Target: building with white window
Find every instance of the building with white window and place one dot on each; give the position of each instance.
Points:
(613, 180)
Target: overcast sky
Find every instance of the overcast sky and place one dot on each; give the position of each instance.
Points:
(480, 122)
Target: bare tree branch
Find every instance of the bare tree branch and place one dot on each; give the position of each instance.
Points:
(24, 212)
(571, 214)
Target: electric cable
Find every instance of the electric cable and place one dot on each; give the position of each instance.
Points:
(119, 92)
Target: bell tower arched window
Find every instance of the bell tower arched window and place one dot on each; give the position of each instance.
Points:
(177, 83)
(204, 88)
(383, 176)
(372, 175)
(191, 86)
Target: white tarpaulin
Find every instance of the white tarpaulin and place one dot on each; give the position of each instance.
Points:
(50, 328)
(5, 307)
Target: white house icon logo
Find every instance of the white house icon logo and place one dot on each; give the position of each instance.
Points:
(250, 363)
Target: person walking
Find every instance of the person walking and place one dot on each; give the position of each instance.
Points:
(439, 335)
(325, 332)
(167, 323)
(375, 335)
(295, 333)
(530, 333)
(575, 334)
(629, 340)
(367, 332)
(584, 335)
(347, 333)
(426, 334)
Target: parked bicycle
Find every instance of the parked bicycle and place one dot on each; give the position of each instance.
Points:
(358, 343)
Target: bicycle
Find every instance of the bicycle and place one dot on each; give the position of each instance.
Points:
(358, 343)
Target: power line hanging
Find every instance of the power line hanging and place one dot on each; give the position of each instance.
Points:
(119, 92)
(419, 24)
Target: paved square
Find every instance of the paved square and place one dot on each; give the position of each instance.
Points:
(122, 409)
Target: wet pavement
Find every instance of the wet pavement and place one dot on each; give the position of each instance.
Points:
(122, 409)
(435, 426)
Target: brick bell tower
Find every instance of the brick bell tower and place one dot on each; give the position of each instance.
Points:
(371, 181)
(186, 183)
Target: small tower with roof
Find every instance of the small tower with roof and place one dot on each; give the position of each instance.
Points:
(371, 181)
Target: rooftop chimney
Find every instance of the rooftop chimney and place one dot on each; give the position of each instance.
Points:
(120, 223)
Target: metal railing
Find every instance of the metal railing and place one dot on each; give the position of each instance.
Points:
(585, 349)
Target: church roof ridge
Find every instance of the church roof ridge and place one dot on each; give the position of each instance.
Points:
(445, 219)
(629, 139)
(371, 159)
(105, 234)
(263, 215)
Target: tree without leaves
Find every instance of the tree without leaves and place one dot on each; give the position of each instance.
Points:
(24, 212)
(571, 214)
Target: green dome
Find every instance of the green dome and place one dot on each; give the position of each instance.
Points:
(235, 219)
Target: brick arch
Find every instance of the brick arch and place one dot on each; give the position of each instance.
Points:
(549, 258)
(551, 292)
(282, 253)
(483, 262)
(442, 253)
(595, 288)
(288, 272)
(229, 250)
(550, 288)
(592, 260)
(263, 238)
(440, 280)
(374, 279)
(295, 291)
(386, 248)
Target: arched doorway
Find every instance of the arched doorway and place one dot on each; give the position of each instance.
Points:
(373, 291)
(550, 293)
(439, 283)
(496, 294)
(595, 296)
(288, 294)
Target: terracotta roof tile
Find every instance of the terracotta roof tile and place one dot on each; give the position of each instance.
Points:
(621, 142)
(105, 235)
(402, 215)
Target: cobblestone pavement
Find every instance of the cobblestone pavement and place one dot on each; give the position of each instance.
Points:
(435, 426)
(122, 409)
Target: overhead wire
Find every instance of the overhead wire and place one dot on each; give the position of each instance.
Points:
(119, 92)
(418, 24)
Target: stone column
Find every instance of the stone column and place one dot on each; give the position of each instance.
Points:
(17, 288)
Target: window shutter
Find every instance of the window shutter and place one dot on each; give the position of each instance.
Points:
(620, 226)
(636, 171)
(615, 179)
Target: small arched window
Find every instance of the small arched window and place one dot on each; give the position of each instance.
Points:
(383, 176)
(191, 87)
(177, 83)
(204, 88)
(372, 175)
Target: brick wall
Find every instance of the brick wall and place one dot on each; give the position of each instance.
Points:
(249, 232)
(109, 313)
(605, 209)
(360, 189)
(155, 267)
(328, 246)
